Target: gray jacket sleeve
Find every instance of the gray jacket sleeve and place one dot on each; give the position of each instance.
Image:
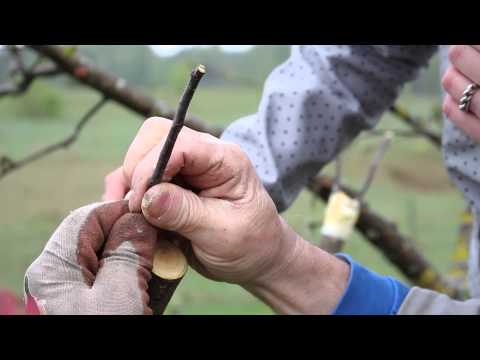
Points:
(427, 302)
(315, 104)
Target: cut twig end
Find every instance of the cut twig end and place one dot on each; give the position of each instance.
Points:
(169, 263)
(202, 69)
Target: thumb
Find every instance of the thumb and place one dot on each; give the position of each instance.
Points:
(173, 208)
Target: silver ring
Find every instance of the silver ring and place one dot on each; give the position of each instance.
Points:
(467, 97)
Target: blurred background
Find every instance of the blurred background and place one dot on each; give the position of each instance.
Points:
(411, 187)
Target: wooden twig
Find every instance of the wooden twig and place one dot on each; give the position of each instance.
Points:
(335, 244)
(396, 132)
(161, 287)
(372, 170)
(28, 75)
(177, 125)
(7, 165)
(430, 135)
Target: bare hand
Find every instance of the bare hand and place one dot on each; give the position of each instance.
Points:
(234, 229)
(464, 70)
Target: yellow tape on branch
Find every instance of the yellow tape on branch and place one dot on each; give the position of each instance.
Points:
(341, 215)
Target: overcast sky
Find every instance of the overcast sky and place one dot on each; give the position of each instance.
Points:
(171, 50)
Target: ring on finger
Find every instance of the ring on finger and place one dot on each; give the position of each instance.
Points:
(466, 100)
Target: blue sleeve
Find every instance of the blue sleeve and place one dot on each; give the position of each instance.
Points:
(368, 293)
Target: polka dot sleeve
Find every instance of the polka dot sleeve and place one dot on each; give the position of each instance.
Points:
(314, 104)
(461, 155)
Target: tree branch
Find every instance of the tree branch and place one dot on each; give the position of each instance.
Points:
(7, 165)
(430, 135)
(116, 88)
(27, 75)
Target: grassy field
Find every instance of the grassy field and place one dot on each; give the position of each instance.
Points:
(411, 188)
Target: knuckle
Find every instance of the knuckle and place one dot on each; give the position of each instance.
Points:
(206, 137)
(110, 178)
(447, 79)
(185, 220)
(188, 215)
(154, 121)
(128, 167)
(237, 152)
(34, 273)
(446, 107)
(456, 52)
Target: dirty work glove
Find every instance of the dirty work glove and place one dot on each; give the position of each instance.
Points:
(98, 261)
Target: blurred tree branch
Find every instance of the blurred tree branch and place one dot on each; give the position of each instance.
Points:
(116, 88)
(417, 126)
(8, 165)
(28, 75)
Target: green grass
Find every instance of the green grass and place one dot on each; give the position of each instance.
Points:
(35, 199)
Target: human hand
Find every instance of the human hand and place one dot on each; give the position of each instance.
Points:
(116, 186)
(98, 261)
(463, 71)
(234, 231)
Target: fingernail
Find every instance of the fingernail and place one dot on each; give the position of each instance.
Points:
(154, 203)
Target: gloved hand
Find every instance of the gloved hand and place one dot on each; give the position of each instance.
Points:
(98, 261)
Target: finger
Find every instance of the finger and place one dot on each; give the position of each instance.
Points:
(122, 280)
(204, 162)
(465, 121)
(170, 207)
(467, 60)
(455, 84)
(116, 185)
(153, 132)
(142, 175)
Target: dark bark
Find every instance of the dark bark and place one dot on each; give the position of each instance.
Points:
(177, 125)
(169, 268)
(160, 292)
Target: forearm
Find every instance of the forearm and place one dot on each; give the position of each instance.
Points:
(307, 280)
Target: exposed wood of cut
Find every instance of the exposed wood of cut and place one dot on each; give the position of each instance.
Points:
(169, 268)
